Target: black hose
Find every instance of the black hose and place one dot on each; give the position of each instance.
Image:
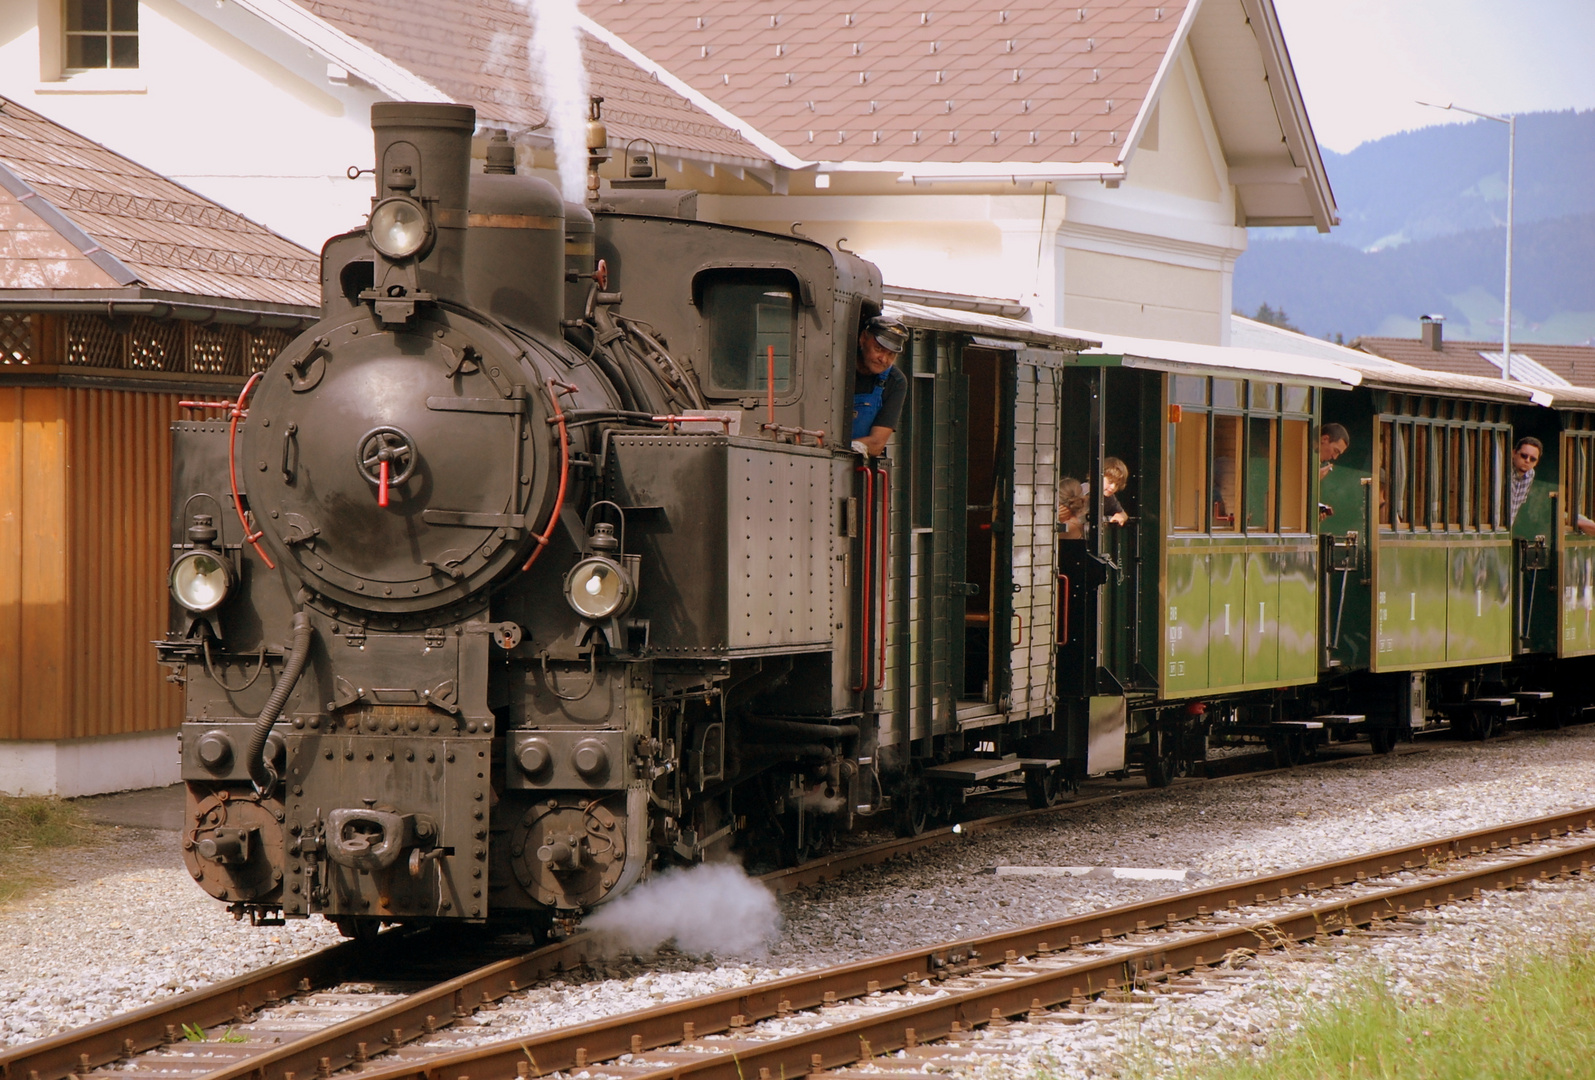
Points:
(260, 770)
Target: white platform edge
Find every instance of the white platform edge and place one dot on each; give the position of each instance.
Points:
(94, 766)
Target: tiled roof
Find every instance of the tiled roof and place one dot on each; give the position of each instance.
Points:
(476, 52)
(129, 226)
(1022, 81)
(1575, 363)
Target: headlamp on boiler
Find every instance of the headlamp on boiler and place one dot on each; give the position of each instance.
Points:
(598, 587)
(400, 228)
(200, 580)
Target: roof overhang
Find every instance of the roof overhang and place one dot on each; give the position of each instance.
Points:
(159, 304)
(1258, 113)
(1189, 358)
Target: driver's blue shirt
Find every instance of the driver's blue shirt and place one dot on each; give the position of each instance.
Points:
(877, 400)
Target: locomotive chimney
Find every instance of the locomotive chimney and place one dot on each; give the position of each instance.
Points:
(423, 152)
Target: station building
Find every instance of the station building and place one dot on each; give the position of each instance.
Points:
(121, 294)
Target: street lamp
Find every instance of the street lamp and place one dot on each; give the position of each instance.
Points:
(1511, 163)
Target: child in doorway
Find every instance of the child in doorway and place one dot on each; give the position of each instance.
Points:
(1071, 509)
(1115, 474)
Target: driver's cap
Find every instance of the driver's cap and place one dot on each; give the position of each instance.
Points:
(889, 332)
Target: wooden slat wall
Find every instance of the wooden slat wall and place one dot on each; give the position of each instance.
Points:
(85, 483)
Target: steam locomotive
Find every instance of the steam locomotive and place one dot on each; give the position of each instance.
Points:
(542, 562)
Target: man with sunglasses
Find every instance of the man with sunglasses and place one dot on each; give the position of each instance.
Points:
(1525, 456)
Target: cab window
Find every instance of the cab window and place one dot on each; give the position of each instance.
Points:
(748, 316)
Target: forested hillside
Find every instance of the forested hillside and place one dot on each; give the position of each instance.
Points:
(1422, 231)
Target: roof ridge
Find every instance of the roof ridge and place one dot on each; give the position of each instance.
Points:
(52, 215)
(385, 74)
(778, 153)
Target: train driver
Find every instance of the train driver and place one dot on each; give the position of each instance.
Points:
(879, 389)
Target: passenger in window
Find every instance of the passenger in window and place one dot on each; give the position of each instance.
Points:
(1072, 513)
(1333, 440)
(1525, 456)
(879, 388)
(1115, 475)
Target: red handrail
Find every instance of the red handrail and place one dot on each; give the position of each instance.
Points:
(554, 390)
(769, 382)
(238, 412)
(865, 642)
(886, 549)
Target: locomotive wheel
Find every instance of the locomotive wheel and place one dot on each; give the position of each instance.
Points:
(359, 928)
(1383, 740)
(1042, 788)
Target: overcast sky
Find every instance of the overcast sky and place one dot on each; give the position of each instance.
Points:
(1361, 63)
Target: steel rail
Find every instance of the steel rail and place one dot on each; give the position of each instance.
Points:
(851, 1041)
(575, 1047)
(125, 1034)
(161, 1024)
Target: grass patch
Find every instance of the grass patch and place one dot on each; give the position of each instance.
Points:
(1534, 1019)
(30, 828)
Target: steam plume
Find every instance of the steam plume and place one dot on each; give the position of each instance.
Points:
(556, 65)
(708, 908)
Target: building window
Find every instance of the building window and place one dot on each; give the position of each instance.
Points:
(101, 34)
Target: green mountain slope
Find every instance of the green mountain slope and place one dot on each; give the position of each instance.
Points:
(1422, 232)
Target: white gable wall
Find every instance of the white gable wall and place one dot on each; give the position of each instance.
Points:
(257, 127)
(1156, 257)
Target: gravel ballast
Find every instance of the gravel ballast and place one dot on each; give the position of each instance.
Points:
(133, 928)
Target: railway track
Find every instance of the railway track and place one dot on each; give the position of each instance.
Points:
(288, 1026)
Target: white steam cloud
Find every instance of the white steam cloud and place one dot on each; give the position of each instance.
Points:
(556, 66)
(707, 908)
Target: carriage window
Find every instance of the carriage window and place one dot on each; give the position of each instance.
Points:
(1400, 498)
(1294, 468)
(1265, 395)
(1572, 465)
(1188, 441)
(1226, 473)
(1189, 390)
(1261, 480)
(1496, 516)
(746, 314)
(1226, 393)
(1421, 470)
(1298, 399)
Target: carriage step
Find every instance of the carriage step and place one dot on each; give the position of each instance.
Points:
(975, 770)
(1533, 697)
(1494, 702)
(1031, 763)
(1342, 719)
(1301, 725)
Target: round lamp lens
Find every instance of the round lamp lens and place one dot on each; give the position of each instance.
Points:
(398, 228)
(597, 588)
(200, 581)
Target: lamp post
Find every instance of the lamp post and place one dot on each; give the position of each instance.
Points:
(1511, 164)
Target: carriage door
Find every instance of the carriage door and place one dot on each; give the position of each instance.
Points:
(987, 584)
